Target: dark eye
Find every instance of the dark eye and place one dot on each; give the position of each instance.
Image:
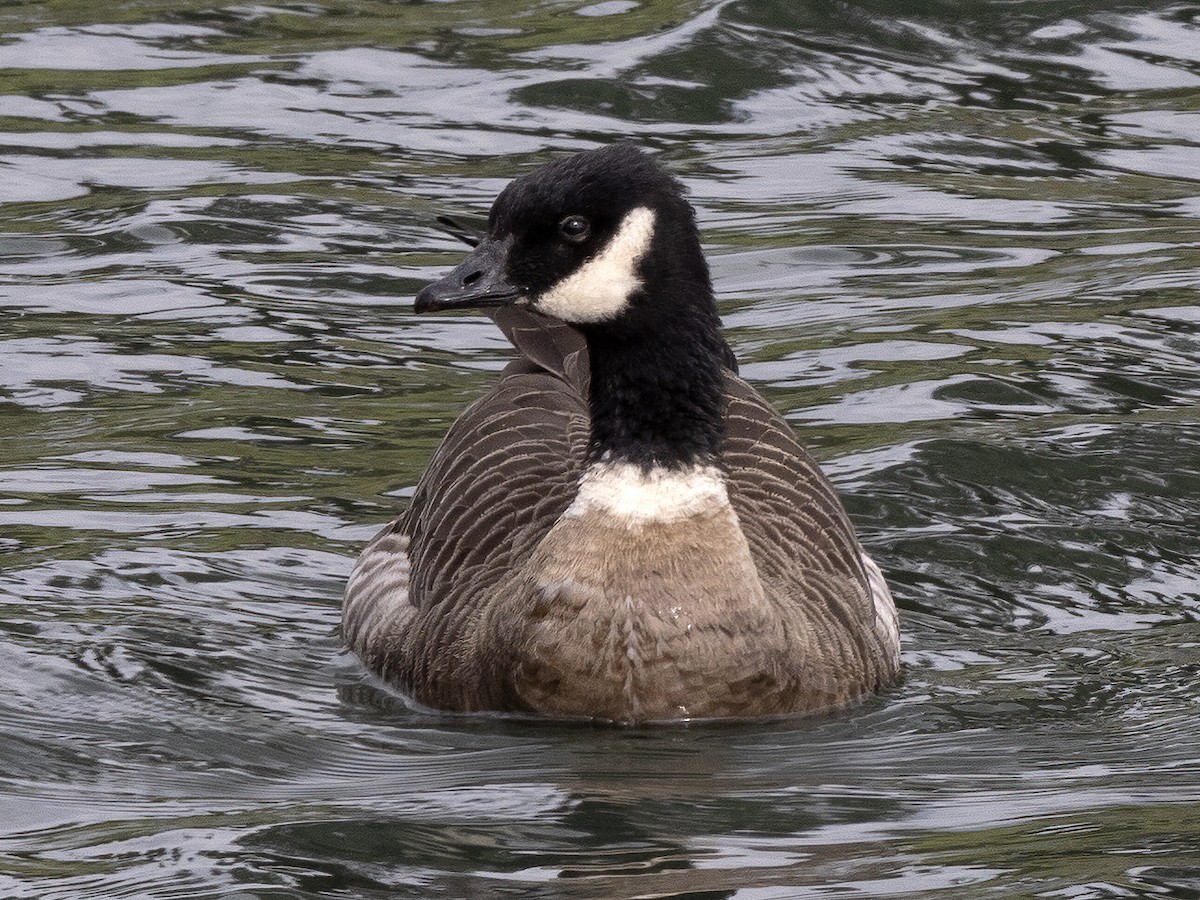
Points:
(575, 229)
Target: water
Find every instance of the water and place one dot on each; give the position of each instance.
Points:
(957, 244)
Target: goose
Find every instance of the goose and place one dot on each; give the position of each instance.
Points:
(621, 528)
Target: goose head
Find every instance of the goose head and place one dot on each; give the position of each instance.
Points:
(601, 239)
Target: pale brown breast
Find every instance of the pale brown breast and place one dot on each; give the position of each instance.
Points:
(657, 621)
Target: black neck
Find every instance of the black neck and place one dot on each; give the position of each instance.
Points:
(657, 395)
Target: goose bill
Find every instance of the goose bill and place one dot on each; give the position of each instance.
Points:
(477, 281)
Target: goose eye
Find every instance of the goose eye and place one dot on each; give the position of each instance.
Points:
(575, 229)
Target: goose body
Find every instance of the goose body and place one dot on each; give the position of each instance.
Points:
(621, 528)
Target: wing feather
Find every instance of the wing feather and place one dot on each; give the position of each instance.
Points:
(503, 474)
(802, 540)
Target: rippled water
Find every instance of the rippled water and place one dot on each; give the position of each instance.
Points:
(958, 244)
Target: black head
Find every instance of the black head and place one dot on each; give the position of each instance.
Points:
(601, 237)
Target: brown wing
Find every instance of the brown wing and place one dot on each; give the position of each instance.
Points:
(790, 512)
(503, 474)
(802, 540)
(506, 470)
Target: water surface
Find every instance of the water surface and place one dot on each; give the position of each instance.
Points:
(958, 245)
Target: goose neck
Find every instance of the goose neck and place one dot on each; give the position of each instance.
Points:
(657, 401)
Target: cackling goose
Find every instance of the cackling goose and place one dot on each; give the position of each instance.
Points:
(621, 528)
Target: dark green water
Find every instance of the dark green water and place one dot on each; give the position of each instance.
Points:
(957, 243)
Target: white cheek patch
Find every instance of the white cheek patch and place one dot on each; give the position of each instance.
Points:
(601, 287)
(626, 492)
